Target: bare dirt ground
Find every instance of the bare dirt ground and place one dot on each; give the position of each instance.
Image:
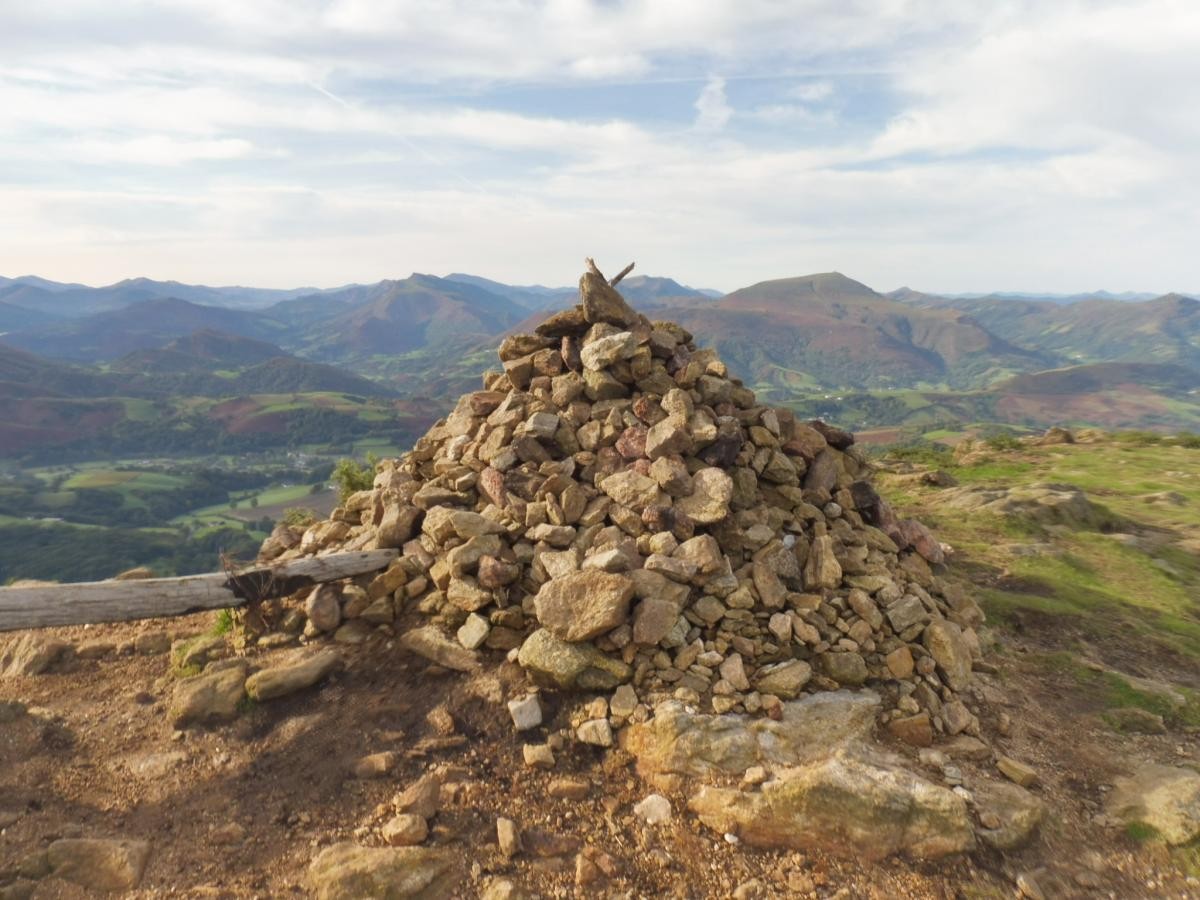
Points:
(240, 810)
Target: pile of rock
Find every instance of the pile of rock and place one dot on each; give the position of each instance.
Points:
(614, 509)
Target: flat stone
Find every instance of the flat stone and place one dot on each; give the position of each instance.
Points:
(679, 742)
(349, 872)
(303, 671)
(1167, 798)
(584, 604)
(846, 806)
(822, 571)
(653, 620)
(99, 865)
(1017, 771)
(428, 642)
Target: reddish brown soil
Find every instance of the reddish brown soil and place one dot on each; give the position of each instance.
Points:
(100, 758)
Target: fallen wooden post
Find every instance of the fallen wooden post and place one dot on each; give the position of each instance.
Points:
(91, 602)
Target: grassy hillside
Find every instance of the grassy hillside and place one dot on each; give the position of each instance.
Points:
(1114, 588)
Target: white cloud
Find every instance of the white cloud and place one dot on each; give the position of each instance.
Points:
(1012, 144)
(713, 111)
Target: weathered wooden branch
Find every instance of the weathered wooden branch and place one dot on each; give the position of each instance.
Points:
(121, 601)
(625, 271)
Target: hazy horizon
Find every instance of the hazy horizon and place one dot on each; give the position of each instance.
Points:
(1019, 146)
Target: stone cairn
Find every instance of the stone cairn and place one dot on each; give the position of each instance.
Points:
(616, 513)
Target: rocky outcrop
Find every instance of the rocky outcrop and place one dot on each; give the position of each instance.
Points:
(845, 805)
(1165, 798)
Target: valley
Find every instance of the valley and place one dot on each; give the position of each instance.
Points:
(177, 422)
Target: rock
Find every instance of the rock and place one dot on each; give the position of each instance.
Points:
(508, 836)
(584, 604)
(631, 489)
(822, 571)
(667, 438)
(846, 806)
(196, 652)
(733, 670)
(538, 756)
(596, 732)
(323, 609)
(653, 810)
(556, 663)
(421, 798)
(349, 872)
(900, 663)
(151, 643)
(1011, 814)
(653, 620)
(405, 830)
(783, 679)
(602, 303)
(1016, 771)
(845, 668)
(914, 730)
(945, 642)
(623, 702)
(906, 612)
(302, 671)
(97, 864)
(1166, 798)
(603, 352)
(429, 642)
(679, 742)
(33, 654)
(526, 712)
(376, 765)
(473, 632)
(708, 503)
(397, 525)
(210, 697)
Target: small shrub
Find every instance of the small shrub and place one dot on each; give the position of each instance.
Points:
(224, 623)
(350, 476)
(299, 517)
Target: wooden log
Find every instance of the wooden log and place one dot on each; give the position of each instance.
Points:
(149, 598)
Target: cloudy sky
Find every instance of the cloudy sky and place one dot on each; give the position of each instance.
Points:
(953, 145)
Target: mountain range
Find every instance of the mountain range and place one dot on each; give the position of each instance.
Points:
(430, 337)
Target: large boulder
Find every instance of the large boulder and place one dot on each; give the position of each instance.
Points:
(1166, 798)
(844, 805)
(349, 872)
(677, 741)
